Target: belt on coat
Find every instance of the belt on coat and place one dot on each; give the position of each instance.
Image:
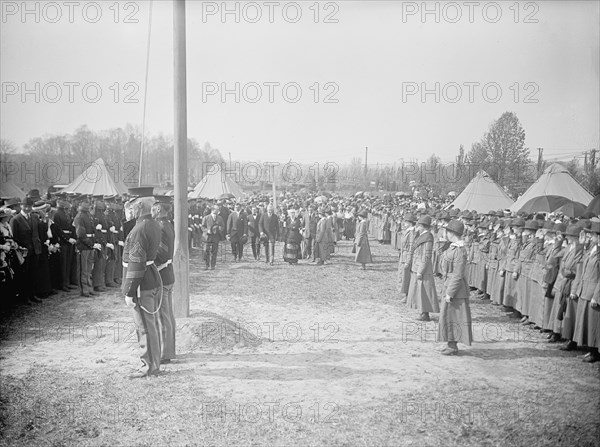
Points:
(89, 235)
(125, 264)
(163, 266)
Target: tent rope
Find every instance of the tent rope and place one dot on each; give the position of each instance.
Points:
(145, 94)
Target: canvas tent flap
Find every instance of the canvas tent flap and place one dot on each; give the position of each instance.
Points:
(214, 184)
(482, 194)
(9, 189)
(95, 180)
(555, 181)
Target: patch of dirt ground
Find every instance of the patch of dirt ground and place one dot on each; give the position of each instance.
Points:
(287, 355)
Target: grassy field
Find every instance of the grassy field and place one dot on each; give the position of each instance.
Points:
(283, 355)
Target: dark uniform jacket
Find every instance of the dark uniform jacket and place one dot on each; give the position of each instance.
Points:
(165, 251)
(85, 231)
(26, 233)
(140, 252)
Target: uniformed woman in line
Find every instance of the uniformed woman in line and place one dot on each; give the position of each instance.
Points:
(455, 315)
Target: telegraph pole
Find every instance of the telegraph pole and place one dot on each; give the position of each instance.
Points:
(181, 296)
(540, 161)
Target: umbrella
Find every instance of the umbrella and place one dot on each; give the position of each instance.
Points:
(572, 209)
(594, 206)
(226, 195)
(544, 204)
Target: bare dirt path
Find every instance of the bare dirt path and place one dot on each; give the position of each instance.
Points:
(289, 355)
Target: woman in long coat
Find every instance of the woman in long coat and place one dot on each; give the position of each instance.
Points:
(586, 291)
(563, 313)
(363, 250)
(291, 249)
(422, 294)
(455, 315)
(324, 238)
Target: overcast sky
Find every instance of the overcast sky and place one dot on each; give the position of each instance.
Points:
(370, 59)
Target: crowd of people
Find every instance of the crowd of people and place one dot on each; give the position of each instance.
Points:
(544, 267)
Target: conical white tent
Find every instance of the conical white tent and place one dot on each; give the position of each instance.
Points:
(95, 180)
(214, 184)
(555, 181)
(482, 194)
(9, 189)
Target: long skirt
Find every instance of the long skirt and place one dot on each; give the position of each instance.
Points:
(455, 322)
(498, 289)
(422, 294)
(523, 295)
(547, 322)
(511, 293)
(568, 324)
(292, 252)
(323, 251)
(404, 275)
(491, 277)
(480, 276)
(471, 273)
(363, 253)
(536, 304)
(587, 325)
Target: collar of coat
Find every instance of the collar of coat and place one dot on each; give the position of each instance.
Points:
(460, 243)
(424, 237)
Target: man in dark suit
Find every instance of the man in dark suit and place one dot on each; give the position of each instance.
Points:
(253, 231)
(269, 228)
(224, 212)
(237, 227)
(213, 227)
(25, 232)
(164, 264)
(64, 223)
(310, 231)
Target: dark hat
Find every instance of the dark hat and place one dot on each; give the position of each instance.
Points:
(141, 191)
(518, 222)
(595, 226)
(28, 201)
(410, 218)
(456, 227)
(573, 230)
(163, 199)
(34, 194)
(425, 221)
(454, 213)
(484, 224)
(467, 216)
(98, 196)
(110, 198)
(548, 225)
(560, 227)
(9, 203)
(532, 225)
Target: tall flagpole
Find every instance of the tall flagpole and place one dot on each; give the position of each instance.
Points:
(181, 296)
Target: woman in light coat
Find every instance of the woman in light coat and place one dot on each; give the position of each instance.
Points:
(422, 294)
(363, 250)
(455, 316)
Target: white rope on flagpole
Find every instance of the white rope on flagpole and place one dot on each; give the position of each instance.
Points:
(145, 94)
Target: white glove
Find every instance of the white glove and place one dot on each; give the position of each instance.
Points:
(448, 298)
(129, 302)
(97, 246)
(122, 244)
(5, 247)
(72, 241)
(113, 229)
(99, 227)
(111, 246)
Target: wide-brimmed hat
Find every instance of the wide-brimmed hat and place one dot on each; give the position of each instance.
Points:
(5, 212)
(9, 203)
(573, 230)
(425, 220)
(410, 218)
(594, 227)
(518, 222)
(456, 227)
(531, 225)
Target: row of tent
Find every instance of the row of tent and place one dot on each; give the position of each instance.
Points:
(555, 190)
(97, 180)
